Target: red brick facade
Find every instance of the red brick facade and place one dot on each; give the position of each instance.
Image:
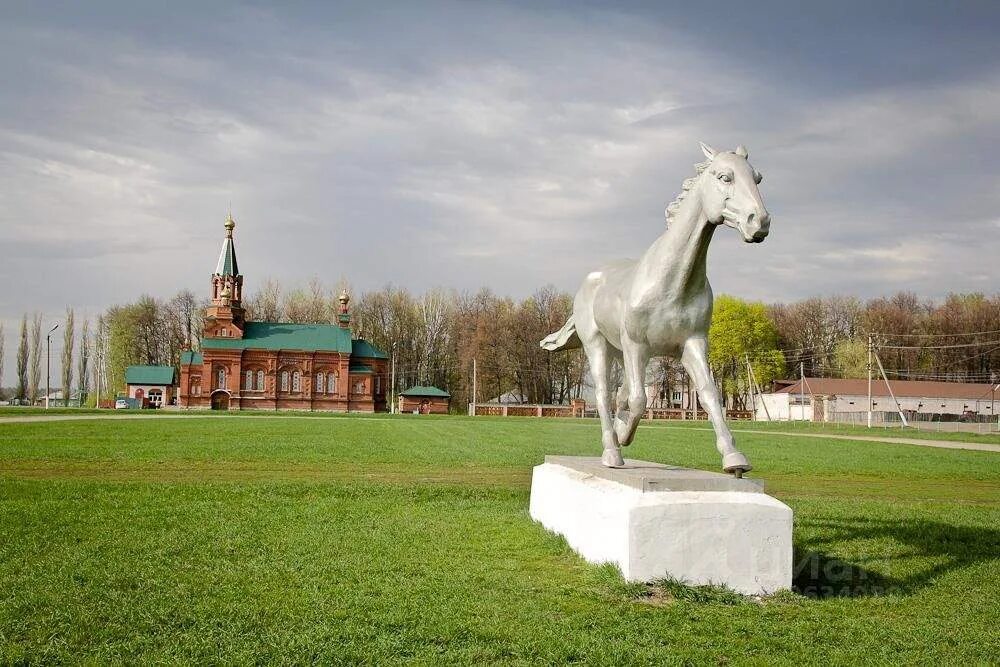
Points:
(239, 368)
(285, 380)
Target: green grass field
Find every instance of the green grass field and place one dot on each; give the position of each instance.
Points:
(260, 539)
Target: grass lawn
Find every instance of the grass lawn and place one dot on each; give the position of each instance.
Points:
(262, 539)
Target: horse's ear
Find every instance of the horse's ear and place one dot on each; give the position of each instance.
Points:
(707, 150)
(741, 150)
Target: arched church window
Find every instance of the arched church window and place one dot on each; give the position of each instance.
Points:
(319, 388)
(260, 380)
(220, 378)
(378, 384)
(331, 383)
(284, 380)
(248, 384)
(296, 381)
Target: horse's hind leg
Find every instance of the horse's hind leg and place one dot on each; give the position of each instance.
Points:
(599, 355)
(621, 399)
(635, 358)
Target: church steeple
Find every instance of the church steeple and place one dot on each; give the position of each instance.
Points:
(226, 317)
(227, 259)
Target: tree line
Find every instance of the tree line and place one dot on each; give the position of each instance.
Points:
(445, 337)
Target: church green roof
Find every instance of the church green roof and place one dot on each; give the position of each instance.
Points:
(281, 336)
(161, 375)
(363, 349)
(426, 392)
(189, 357)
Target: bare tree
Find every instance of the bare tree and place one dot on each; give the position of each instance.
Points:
(186, 318)
(67, 356)
(35, 362)
(83, 361)
(265, 304)
(22, 361)
(100, 365)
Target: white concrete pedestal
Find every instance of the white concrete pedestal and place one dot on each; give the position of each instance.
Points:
(655, 521)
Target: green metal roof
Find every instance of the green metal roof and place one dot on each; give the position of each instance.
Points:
(360, 368)
(363, 349)
(279, 336)
(425, 392)
(163, 375)
(227, 259)
(189, 357)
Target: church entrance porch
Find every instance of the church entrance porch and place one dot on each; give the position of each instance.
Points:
(220, 400)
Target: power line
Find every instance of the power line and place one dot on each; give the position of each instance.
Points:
(938, 347)
(936, 335)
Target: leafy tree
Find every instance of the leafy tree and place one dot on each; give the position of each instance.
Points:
(122, 346)
(851, 358)
(740, 330)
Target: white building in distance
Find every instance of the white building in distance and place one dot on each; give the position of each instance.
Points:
(823, 399)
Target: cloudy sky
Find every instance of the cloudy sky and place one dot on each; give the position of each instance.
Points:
(504, 144)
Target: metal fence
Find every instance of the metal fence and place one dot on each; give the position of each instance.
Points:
(923, 421)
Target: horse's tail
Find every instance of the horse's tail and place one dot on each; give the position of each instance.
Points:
(564, 339)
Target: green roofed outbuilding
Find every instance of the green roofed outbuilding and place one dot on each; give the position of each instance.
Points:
(424, 400)
(151, 386)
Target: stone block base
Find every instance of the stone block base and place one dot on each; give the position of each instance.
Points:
(655, 521)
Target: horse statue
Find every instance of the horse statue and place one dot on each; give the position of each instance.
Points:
(631, 311)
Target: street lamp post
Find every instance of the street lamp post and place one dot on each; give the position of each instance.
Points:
(48, 366)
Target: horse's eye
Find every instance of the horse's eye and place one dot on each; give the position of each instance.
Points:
(725, 178)
(757, 177)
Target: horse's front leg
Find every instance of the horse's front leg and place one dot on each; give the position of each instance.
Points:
(695, 361)
(635, 356)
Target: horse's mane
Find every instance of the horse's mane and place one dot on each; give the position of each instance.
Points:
(685, 188)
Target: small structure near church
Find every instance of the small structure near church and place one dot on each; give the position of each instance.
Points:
(245, 365)
(425, 401)
(151, 386)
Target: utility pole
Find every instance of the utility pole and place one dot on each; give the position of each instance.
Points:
(993, 404)
(474, 379)
(802, 390)
(48, 365)
(97, 371)
(870, 347)
(754, 384)
(899, 409)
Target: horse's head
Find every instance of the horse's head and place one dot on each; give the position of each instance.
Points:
(729, 194)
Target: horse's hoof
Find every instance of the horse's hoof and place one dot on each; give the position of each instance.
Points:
(612, 458)
(736, 461)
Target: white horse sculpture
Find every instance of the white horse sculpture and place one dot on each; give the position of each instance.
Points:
(661, 305)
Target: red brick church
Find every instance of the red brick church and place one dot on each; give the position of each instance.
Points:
(274, 365)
